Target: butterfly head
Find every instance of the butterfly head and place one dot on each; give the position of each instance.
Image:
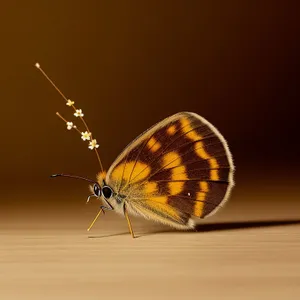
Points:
(104, 191)
(97, 189)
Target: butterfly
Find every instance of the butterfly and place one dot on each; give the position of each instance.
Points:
(178, 170)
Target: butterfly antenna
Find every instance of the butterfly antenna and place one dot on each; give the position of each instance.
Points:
(73, 176)
(78, 113)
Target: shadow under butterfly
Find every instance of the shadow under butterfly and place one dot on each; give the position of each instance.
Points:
(220, 226)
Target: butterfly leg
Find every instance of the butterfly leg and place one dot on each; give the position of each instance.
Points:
(92, 224)
(102, 210)
(128, 221)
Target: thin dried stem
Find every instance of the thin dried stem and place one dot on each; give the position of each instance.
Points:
(75, 109)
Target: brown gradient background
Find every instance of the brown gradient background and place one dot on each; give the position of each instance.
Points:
(129, 64)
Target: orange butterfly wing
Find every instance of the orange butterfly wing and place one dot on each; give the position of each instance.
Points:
(180, 167)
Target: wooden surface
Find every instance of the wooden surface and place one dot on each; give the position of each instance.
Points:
(241, 253)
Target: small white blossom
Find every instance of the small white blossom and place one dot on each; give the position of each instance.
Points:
(70, 103)
(86, 135)
(78, 113)
(70, 125)
(93, 144)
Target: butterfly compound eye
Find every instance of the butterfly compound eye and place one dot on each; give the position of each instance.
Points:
(107, 192)
(97, 190)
